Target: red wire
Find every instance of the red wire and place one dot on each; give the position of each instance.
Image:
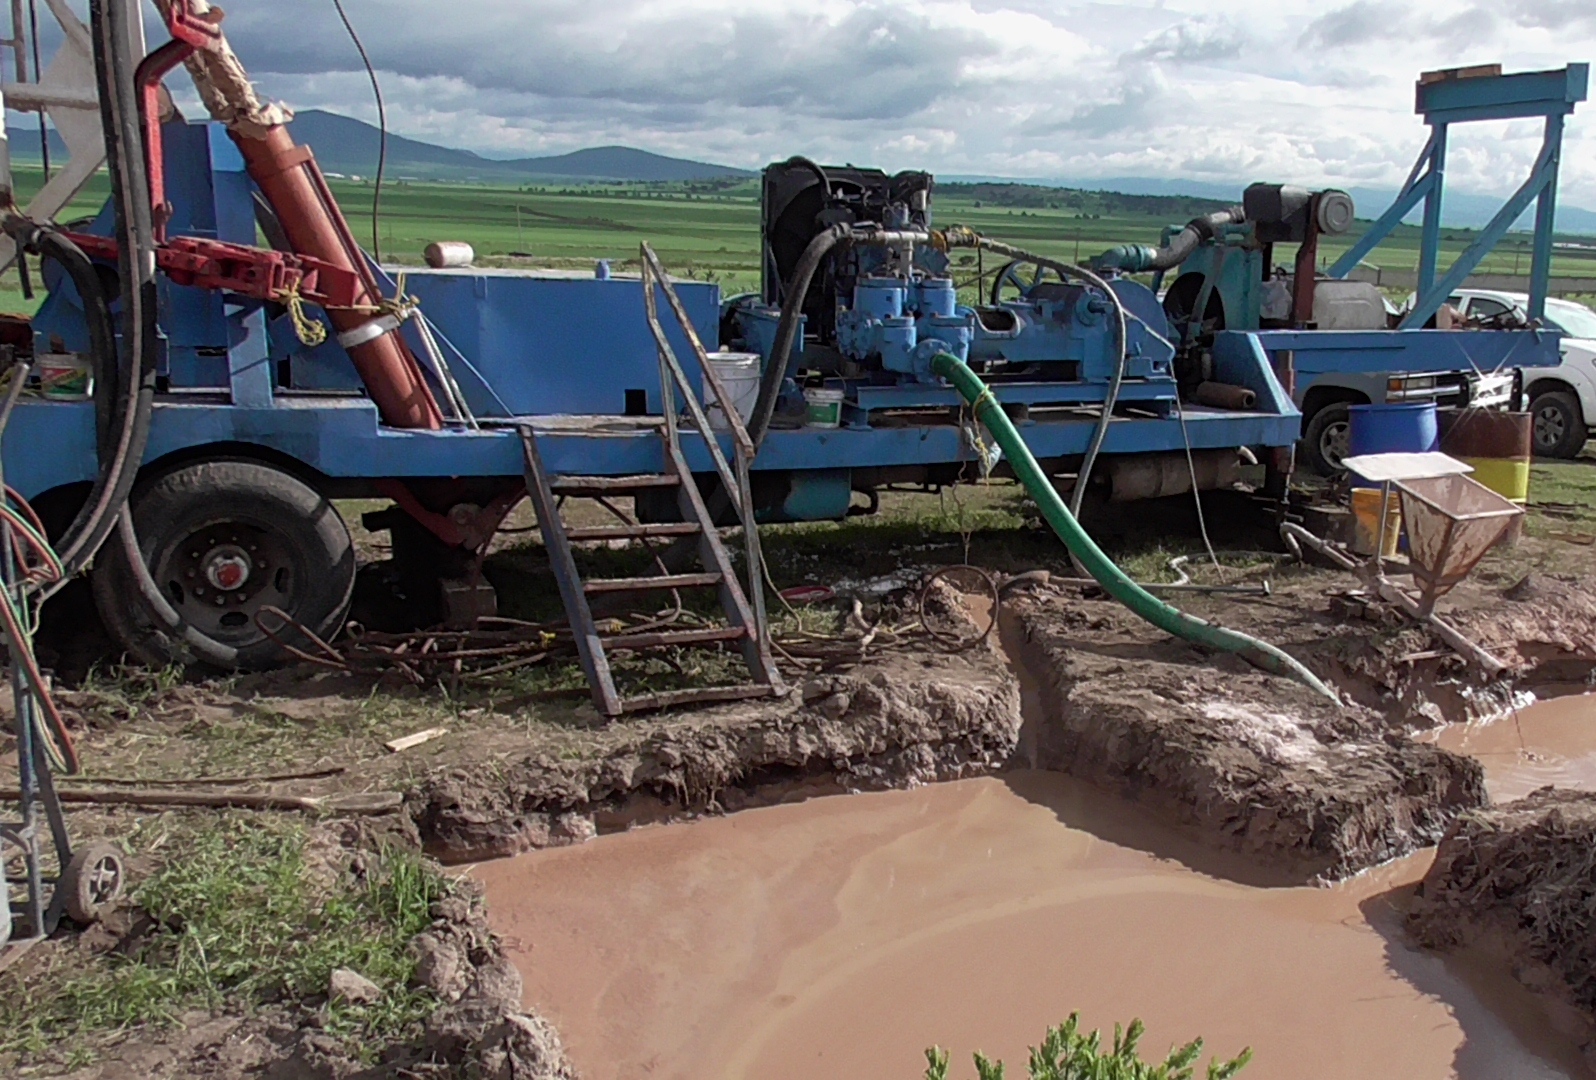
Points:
(26, 508)
(36, 683)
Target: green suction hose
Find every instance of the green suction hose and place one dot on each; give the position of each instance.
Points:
(987, 410)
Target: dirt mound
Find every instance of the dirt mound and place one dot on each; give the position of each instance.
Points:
(1518, 882)
(902, 721)
(477, 1029)
(1253, 762)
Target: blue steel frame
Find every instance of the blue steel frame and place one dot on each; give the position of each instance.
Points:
(524, 346)
(1457, 97)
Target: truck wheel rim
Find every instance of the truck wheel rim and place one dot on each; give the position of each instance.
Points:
(1549, 427)
(1333, 444)
(220, 575)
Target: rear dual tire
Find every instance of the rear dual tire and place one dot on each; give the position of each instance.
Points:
(223, 540)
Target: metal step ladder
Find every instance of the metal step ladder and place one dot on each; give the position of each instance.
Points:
(746, 621)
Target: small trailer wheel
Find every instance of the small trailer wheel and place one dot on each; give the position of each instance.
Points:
(225, 540)
(92, 881)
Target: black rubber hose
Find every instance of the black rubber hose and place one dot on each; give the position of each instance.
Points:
(96, 312)
(119, 113)
(800, 161)
(792, 310)
(1137, 258)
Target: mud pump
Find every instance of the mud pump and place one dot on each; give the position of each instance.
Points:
(239, 387)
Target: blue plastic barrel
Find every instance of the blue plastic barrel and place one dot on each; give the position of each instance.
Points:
(1391, 429)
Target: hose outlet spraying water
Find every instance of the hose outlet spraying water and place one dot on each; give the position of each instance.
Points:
(1260, 654)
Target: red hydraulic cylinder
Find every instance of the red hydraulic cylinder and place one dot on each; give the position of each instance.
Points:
(293, 185)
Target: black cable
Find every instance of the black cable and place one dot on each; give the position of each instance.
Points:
(382, 130)
(44, 132)
(130, 196)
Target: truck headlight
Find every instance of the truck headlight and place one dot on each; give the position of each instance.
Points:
(1401, 383)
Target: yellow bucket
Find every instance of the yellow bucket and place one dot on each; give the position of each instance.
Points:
(1505, 476)
(1366, 522)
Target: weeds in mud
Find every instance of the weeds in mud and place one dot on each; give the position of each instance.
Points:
(126, 689)
(1067, 1054)
(238, 919)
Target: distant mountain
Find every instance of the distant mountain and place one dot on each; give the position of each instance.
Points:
(1459, 209)
(24, 140)
(349, 146)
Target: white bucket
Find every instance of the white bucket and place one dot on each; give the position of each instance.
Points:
(739, 374)
(825, 407)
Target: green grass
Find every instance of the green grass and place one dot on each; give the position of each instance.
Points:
(1066, 1053)
(711, 231)
(241, 922)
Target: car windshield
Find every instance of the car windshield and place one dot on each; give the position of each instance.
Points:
(1575, 320)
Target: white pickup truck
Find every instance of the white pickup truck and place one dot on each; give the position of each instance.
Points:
(1561, 399)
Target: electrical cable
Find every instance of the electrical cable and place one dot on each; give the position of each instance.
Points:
(382, 131)
(125, 165)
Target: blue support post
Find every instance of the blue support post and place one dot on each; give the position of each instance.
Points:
(1545, 217)
(1430, 241)
(1430, 300)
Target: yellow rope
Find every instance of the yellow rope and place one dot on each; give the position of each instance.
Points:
(310, 332)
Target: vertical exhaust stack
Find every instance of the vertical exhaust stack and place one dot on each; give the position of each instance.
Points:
(293, 185)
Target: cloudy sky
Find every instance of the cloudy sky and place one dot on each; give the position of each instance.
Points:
(1229, 90)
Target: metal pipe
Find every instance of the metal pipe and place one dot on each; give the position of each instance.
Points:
(292, 183)
(1135, 258)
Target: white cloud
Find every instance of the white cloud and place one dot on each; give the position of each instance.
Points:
(1230, 90)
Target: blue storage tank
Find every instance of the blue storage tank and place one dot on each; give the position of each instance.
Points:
(1391, 429)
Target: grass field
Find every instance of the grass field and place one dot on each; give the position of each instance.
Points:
(709, 232)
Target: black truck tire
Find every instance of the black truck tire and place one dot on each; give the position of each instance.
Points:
(1558, 424)
(224, 539)
(1324, 440)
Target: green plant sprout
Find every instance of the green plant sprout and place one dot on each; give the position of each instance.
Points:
(1067, 1054)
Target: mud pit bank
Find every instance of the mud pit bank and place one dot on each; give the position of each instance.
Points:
(1250, 762)
(904, 721)
(1515, 886)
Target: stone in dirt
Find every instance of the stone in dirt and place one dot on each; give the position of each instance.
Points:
(1517, 883)
(352, 987)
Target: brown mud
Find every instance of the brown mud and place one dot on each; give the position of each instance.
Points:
(1263, 783)
(900, 722)
(1551, 743)
(1513, 888)
(1251, 762)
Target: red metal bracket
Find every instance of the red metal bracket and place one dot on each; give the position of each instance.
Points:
(248, 271)
(192, 27)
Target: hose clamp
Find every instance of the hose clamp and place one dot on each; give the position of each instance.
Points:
(369, 331)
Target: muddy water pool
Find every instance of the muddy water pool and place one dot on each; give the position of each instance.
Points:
(841, 936)
(1550, 742)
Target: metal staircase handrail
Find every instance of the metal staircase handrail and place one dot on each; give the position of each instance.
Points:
(739, 484)
(653, 271)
